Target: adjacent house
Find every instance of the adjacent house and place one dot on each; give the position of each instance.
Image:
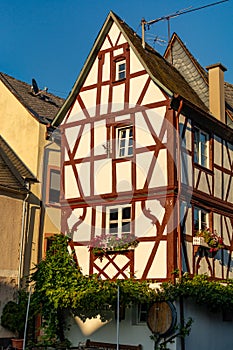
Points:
(28, 211)
(147, 152)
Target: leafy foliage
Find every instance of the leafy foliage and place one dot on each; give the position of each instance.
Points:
(61, 287)
(14, 314)
(216, 295)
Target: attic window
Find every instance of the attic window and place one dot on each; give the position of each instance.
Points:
(121, 69)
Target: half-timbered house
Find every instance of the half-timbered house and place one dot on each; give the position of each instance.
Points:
(146, 153)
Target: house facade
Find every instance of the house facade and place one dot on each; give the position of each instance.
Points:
(146, 155)
(26, 212)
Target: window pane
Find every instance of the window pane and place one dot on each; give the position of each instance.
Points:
(203, 220)
(126, 213)
(113, 227)
(113, 214)
(196, 219)
(125, 227)
(54, 189)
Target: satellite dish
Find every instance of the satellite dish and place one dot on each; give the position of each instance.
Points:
(35, 86)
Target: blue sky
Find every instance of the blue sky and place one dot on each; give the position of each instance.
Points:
(49, 40)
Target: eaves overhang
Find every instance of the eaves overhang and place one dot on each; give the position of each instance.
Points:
(202, 118)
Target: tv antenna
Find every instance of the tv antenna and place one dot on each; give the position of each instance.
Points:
(145, 23)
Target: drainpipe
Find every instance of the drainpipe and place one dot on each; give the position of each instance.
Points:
(179, 188)
(22, 236)
(181, 301)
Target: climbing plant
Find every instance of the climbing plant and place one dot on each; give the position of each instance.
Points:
(61, 287)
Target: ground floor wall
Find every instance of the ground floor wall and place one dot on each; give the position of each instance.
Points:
(209, 330)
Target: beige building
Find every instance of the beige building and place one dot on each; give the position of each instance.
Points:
(28, 211)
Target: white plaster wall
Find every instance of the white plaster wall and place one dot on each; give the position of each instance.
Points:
(100, 137)
(135, 64)
(71, 188)
(159, 176)
(186, 170)
(227, 161)
(136, 87)
(76, 113)
(156, 116)
(217, 182)
(94, 329)
(104, 99)
(153, 94)
(83, 170)
(123, 176)
(143, 134)
(158, 267)
(118, 93)
(93, 74)
(114, 33)
(143, 225)
(106, 67)
(203, 185)
(83, 232)
(208, 329)
(103, 176)
(217, 151)
(89, 100)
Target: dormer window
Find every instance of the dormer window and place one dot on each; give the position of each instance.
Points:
(121, 69)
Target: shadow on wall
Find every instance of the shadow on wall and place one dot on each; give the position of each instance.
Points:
(8, 290)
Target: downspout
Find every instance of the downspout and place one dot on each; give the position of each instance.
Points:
(22, 236)
(179, 189)
(181, 301)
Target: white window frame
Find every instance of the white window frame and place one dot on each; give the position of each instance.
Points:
(202, 217)
(201, 147)
(121, 69)
(119, 221)
(139, 314)
(124, 142)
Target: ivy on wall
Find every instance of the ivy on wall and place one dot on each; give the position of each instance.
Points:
(59, 286)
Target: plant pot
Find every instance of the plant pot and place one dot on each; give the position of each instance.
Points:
(17, 343)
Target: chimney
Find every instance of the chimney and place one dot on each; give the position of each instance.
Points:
(216, 91)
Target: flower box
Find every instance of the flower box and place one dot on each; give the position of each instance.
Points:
(200, 241)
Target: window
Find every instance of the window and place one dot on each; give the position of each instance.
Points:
(201, 147)
(120, 70)
(201, 218)
(125, 142)
(54, 186)
(119, 220)
(139, 314)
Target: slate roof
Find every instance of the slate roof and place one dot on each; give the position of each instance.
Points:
(194, 73)
(161, 71)
(13, 172)
(43, 106)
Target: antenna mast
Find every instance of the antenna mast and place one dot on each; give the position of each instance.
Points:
(168, 17)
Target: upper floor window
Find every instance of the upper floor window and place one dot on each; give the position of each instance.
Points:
(201, 147)
(120, 70)
(125, 142)
(119, 220)
(53, 189)
(201, 219)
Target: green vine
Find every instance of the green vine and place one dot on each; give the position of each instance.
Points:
(61, 287)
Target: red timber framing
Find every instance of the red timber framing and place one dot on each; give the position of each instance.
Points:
(212, 194)
(168, 195)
